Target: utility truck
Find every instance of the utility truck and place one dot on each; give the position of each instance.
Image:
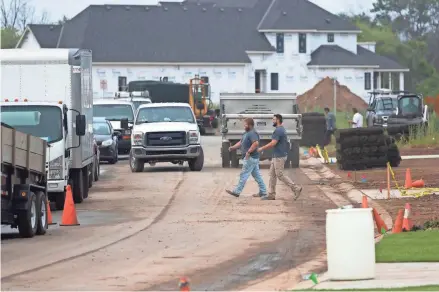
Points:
(23, 188)
(48, 93)
(235, 107)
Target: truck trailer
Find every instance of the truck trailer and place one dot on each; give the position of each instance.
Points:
(23, 188)
(48, 93)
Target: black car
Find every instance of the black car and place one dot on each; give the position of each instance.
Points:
(107, 140)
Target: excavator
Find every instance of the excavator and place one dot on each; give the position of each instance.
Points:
(196, 93)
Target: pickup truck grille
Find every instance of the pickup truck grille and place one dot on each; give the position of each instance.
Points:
(163, 139)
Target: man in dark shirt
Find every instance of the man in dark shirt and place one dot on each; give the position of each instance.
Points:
(280, 146)
(250, 159)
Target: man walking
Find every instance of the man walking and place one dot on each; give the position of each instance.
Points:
(357, 119)
(330, 126)
(250, 159)
(279, 143)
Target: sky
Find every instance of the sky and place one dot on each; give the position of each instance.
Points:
(70, 8)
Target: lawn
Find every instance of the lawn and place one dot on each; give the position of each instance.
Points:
(415, 288)
(420, 246)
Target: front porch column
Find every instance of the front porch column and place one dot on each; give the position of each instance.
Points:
(379, 80)
(401, 81)
(390, 81)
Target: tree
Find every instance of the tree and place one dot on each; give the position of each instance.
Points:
(17, 14)
(9, 38)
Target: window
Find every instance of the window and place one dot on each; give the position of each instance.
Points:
(367, 81)
(122, 83)
(274, 81)
(279, 42)
(302, 43)
(165, 114)
(113, 112)
(330, 37)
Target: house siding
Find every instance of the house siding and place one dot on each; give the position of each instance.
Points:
(30, 42)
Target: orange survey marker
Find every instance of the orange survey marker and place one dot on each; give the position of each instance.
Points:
(407, 222)
(364, 203)
(418, 183)
(69, 217)
(184, 284)
(381, 226)
(397, 227)
(408, 179)
(49, 214)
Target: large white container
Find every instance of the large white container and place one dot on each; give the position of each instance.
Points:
(350, 244)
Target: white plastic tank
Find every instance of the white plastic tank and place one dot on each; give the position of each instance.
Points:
(350, 244)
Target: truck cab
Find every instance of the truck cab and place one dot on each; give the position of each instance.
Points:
(166, 132)
(120, 114)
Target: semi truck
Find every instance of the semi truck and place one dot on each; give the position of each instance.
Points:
(23, 187)
(48, 93)
(235, 107)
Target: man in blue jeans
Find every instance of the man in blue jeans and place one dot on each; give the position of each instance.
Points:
(250, 159)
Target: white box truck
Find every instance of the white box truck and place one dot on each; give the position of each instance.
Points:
(48, 93)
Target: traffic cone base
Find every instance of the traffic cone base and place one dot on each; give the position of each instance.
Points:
(69, 217)
(408, 179)
(49, 215)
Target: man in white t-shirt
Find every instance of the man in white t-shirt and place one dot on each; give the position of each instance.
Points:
(357, 120)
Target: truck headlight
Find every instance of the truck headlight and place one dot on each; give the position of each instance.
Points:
(107, 143)
(137, 138)
(193, 137)
(55, 174)
(56, 163)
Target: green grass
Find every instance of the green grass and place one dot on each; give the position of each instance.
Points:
(420, 246)
(414, 288)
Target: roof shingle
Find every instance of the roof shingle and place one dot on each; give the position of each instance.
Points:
(46, 34)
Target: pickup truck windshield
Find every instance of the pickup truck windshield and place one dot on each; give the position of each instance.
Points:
(113, 112)
(40, 121)
(165, 114)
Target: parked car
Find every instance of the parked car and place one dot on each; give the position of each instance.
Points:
(107, 139)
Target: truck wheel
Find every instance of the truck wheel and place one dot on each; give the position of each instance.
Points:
(60, 198)
(97, 170)
(27, 219)
(234, 160)
(42, 213)
(85, 180)
(91, 174)
(77, 186)
(294, 154)
(225, 154)
(197, 163)
(114, 159)
(135, 164)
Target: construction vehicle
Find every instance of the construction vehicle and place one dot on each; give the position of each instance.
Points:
(48, 93)
(196, 93)
(382, 104)
(235, 107)
(24, 181)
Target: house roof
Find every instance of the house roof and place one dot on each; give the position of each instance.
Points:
(174, 32)
(302, 15)
(334, 55)
(46, 34)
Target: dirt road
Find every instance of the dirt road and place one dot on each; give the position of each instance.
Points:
(168, 222)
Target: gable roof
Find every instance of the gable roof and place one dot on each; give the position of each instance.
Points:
(302, 15)
(174, 32)
(46, 34)
(333, 55)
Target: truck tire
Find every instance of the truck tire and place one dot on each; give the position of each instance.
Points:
(42, 213)
(91, 175)
(135, 164)
(197, 163)
(60, 198)
(294, 154)
(27, 219)
(77, 186)
(114, 159)
(97, 170)
(225, 154)
(85, 180)
(234, 159)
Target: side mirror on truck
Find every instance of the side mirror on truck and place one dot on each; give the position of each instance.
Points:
(124, 124)
(80, 125)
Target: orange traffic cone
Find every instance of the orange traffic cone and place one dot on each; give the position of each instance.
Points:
(364, 203)
(407, 222)
(408, 179)
(184, 284)
(418, 183)
(381, 226)
(49, 214)
(397, 227)
(69, 217)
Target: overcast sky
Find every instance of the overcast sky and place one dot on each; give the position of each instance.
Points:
(57, 8)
